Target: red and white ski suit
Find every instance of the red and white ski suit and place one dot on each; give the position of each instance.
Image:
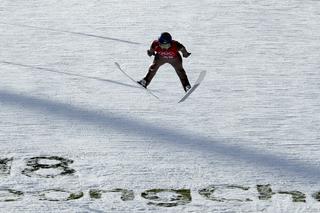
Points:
(171, 56)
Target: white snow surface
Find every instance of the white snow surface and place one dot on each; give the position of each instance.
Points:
(254, 120)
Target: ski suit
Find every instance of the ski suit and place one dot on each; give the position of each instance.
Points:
(171, 56)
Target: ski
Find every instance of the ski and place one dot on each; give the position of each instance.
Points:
(195, 86)
(126, 74)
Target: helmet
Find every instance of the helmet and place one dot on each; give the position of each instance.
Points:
(165, 38)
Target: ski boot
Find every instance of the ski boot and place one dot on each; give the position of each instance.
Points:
(187, 88)
(143, 83)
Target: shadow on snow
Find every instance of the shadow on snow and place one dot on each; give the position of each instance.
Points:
(74, 33)
(66, 73)
(184, 140)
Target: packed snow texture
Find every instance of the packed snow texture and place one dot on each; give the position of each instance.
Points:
(76, 135)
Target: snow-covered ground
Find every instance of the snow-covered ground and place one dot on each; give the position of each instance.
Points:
(76, 135)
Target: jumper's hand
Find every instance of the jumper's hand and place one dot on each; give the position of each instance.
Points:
(150, 53)
(186, 55)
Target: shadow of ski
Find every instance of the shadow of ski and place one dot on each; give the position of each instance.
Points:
(66, 73)
(74, 33)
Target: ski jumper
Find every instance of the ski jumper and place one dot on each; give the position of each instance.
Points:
(171, 56)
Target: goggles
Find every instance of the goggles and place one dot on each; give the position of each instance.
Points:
(165, 46)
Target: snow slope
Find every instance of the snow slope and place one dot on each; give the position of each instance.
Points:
(252, 124)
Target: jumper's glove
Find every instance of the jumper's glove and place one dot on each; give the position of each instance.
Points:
(186, 55)
(150, 53)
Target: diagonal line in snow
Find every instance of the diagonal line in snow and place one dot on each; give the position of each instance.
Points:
(184, 140)
(66, 73)
(75, 33)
